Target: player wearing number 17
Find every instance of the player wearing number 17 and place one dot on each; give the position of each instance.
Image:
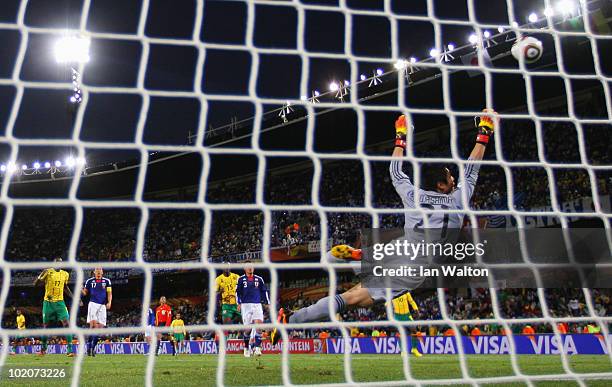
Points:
(54, 307)
(100, 293)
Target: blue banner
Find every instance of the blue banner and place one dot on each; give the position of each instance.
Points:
(545, 344)
(188, 347)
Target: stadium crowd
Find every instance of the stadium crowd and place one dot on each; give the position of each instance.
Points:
(110, 234)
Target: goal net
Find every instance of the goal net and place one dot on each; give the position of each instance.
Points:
(188, 136)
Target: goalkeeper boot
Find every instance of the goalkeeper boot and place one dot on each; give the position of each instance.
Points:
(416, 352)
(346, 252)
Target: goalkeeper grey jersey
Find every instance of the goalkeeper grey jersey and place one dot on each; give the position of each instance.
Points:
(433, 200)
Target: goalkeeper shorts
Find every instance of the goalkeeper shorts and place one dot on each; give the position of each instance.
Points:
(380, 294)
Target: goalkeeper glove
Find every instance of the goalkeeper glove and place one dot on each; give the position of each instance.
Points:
(486, 127)
(400, 132)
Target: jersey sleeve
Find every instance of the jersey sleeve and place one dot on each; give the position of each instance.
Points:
(217, 284)
(109, 285)
(471, 170)
(66, 277)
(401, 182)
(43, 275)
(239, 289)
(169, 318)
(264, 292)
(411, 302)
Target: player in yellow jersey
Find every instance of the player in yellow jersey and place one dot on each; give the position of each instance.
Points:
(178, 334)
(401, 312)
(20, 322)
(54, 307)
(225, 286)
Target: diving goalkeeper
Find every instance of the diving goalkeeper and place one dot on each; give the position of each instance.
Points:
(438, 192)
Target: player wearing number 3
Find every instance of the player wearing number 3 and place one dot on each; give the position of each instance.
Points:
(438, 192)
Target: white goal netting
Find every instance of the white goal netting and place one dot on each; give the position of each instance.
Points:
(386, 92)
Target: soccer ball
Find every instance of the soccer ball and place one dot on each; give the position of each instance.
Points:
(528, 48)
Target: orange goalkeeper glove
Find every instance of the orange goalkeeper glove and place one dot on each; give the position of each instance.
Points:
(486, 126)
(401, 131)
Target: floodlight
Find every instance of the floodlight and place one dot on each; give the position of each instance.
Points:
(473, 39)
(333, 86)
(47, 164)
(316, 93)
(400, 64)
(70, 162)
(11, 167)
(533, 17)
(450, 47)
(486, 34)
(37, 165)
(70, 49)
(379, 72)
(500, 29)
(433, 52)
(413, 59)
(347, 83)
(362, 77)
(303, 98)
(548, 12)
(58, 163)
(515, 24)
(73, 99)
(2, 167)
(81, 160)
(24, 167)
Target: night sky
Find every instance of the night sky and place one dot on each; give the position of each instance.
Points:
(113, 117)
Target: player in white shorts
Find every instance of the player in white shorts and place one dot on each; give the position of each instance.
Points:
(100, 293)
(251, 291)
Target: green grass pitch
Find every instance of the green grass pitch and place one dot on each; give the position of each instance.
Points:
(201, 370)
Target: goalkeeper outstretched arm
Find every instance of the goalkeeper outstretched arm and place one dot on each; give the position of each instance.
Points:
(485, 128)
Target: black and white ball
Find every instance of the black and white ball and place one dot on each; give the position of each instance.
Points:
(528, 49)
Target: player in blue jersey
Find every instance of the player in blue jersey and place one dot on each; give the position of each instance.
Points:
(100, 294)
(438, 192)
(251, 292)
(150, 325)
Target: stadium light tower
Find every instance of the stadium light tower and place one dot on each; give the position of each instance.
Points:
(72, 51)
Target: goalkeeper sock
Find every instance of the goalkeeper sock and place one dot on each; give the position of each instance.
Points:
(318, 311)
(246, 339)
(44, 343)
(158, 346)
